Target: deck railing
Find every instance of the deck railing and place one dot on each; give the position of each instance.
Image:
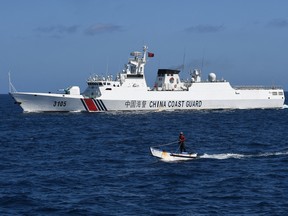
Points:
(258, 87)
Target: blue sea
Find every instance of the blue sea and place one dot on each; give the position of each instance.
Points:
(100, 163)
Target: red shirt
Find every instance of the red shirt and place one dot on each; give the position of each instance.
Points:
(181, 138)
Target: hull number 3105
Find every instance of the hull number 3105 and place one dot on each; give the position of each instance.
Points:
(59, 103)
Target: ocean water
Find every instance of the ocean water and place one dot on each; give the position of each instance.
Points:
(100, 164)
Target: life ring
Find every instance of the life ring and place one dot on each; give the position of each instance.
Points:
(171, 80)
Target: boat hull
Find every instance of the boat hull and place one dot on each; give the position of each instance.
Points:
(150, 101)
(42, 102)
(167, 156)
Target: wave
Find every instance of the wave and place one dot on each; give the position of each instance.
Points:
(224, 156)
(285, 106)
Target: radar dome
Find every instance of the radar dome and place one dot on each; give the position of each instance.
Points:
(212, 77)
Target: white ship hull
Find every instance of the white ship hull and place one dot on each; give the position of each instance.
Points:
(44, 102)
(151, 100)
(129, 92)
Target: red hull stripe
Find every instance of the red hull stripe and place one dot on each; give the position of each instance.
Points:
(90, 104)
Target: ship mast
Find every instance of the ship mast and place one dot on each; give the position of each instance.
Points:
(137, 63)
(145, 48)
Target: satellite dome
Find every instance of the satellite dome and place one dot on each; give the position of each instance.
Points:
(212, 77)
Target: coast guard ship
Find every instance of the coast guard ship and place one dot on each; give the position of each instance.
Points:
(129, 92)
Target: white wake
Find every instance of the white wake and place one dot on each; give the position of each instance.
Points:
(241, 156)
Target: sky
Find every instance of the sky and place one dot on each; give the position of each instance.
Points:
(48, 45)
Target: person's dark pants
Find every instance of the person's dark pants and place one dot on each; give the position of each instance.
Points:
(182, 147)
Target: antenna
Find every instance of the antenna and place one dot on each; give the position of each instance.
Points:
(184, 56)
(11, 87)
(202, 63)
(107, 68)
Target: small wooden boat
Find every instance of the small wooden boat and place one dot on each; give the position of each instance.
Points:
(168, 156)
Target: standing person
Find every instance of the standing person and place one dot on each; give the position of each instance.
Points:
(181, 142)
